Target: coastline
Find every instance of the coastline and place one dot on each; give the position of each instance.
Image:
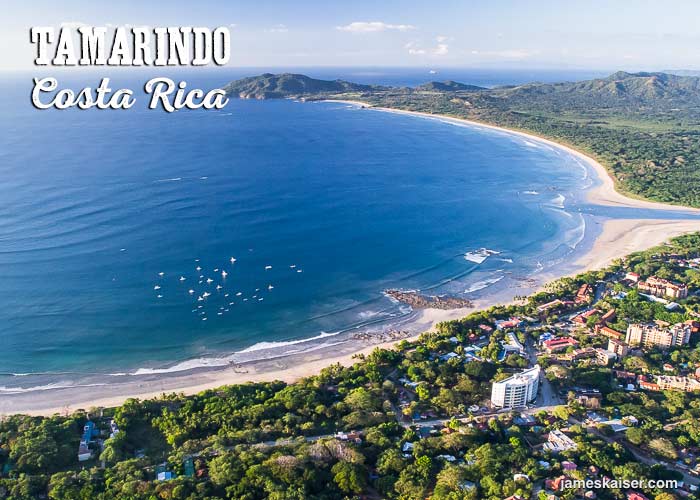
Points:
(617, 238)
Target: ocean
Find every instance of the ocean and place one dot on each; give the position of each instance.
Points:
(140, 242)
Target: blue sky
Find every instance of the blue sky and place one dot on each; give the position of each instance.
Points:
(594, 34)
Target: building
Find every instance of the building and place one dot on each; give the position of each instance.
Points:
(652, 335)
(559, 344)
(584, 294)
(588, 398)
(608, 317)
(633, 277)
(618, 347)
(609, 332)
(582, 318)
(669, 382)
(659, 287)
(516, 391)
(558, 442)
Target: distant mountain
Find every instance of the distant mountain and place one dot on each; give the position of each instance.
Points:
(269, 86)
(616, 89)
(621, 90)
(449, 86)
(682, 72)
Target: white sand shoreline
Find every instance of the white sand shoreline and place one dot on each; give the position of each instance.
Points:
(619, 237)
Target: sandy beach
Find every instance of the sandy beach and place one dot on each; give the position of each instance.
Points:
(617, 238)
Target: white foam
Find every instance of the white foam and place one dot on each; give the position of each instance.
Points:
(260, 346)
(480, 285)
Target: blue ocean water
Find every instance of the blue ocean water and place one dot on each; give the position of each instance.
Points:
(322, 206)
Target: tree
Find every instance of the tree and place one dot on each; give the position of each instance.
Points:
(350, 478)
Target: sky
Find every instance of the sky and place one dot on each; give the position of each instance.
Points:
(593, 34)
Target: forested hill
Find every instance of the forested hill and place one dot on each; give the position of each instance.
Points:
(269, 86)
(644, 127)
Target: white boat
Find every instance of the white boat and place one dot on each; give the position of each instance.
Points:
(182, 278)
(209, 280)
(206, 294)
(157, 287)
(233, 259)
(191, 291)
(268, 268)
(224, 274)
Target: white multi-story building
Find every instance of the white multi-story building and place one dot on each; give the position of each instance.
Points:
(654, 336)
(516, 391)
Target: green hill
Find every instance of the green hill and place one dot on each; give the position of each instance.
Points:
(269, 86)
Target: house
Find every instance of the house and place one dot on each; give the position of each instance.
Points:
(559, 344)
(448, 356)
(509, 323)
(554, 484)
(84, 453)
(568, 466)
(163, 474)
(634, 495)
(633, 277)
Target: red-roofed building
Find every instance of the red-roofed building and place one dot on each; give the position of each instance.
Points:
(633, 277)
(581, 318)
(559, 344)
(634, 495)
(610, 333)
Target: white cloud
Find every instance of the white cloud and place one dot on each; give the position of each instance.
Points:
(441, 38)
(278, 28)
(441, 50)
(373, 27)
(415, 49)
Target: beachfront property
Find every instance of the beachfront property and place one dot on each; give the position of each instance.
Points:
(659, 287)
(516, 391)
(84, 452)
(557, 442)
(654, 335)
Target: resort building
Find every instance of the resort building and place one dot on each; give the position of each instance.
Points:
(516, 391)
(584, 294)
(686, 384)
(609, 332)
(659, 287)
(558, 442)
(559, 344)
(653, 335)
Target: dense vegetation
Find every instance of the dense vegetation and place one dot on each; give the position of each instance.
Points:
(644, 127)
(418, 434)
